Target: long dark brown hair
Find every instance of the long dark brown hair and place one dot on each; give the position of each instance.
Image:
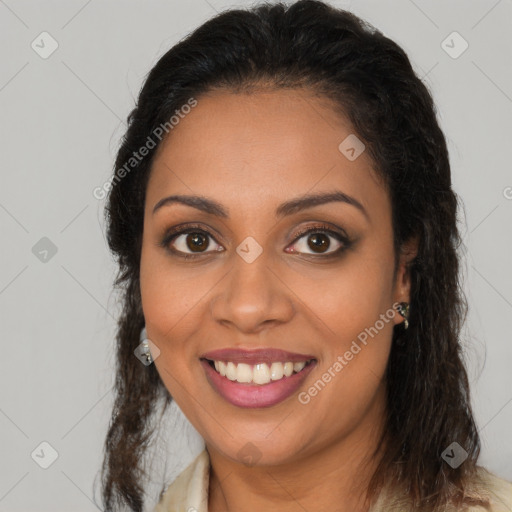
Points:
(370, 79)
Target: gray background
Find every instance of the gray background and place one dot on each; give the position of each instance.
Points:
(61, 120)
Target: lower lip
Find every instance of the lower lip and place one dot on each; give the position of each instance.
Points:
(255, 395)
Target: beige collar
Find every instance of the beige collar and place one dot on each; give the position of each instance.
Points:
(189, 492)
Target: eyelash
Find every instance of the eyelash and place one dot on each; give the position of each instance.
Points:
(173, 233)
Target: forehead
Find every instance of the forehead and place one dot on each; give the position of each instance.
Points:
(265, 146)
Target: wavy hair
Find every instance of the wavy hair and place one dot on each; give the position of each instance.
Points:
(369, 78)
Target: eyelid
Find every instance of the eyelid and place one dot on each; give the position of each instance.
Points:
(191, 226)
(323, 227)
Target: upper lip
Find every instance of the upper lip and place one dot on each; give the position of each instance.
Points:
(254, 356)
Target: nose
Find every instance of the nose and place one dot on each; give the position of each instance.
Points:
(252, 297)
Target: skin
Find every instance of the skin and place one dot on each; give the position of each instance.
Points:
(250, 153)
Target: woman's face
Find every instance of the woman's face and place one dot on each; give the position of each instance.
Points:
(254, 281)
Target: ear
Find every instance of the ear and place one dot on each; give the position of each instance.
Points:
(402, 285)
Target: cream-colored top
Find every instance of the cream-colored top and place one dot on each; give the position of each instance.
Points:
(189, 492)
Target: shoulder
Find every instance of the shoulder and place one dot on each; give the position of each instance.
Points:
(189, 491)
(496, 490)
(484, 492)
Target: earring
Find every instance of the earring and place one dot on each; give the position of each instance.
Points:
(403, 309)
(145, 351)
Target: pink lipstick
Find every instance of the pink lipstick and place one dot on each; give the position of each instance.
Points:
(258, 377)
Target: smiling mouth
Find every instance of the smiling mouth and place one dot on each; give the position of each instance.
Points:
(259, 374)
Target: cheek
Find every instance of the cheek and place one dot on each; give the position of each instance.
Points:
(170, 295)
(352, 309)
(350, 298)
(171, 306)
(351, 376)
(168, 310)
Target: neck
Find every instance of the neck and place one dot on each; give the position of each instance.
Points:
(337, 473)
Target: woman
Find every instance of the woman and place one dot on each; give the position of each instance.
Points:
(285, 227)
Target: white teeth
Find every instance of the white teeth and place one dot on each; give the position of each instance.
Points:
(276, 371)
(297, 367)
(259, 373)
(243, 373)
(288, 369)
(231, 371)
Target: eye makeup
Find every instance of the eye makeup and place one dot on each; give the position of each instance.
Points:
(172, 234)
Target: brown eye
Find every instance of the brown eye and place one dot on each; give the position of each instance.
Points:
(320, 241)
(197, 242)
(187, 242)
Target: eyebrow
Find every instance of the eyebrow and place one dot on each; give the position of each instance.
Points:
(288, 208)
